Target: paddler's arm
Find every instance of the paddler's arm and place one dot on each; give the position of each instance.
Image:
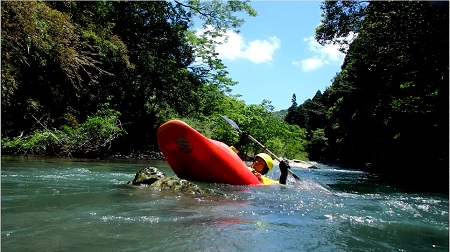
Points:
(242, 140)
(284, 166)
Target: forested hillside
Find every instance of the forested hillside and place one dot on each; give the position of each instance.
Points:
(85, 78)
(88, 78)
(387, 110)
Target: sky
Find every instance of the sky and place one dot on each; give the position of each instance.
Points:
(275, 54)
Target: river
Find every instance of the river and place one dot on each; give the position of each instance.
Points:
(62, 204)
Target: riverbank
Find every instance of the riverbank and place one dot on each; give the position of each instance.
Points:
(295, 163)
(151, 155)
(156, 155)
(301, 164)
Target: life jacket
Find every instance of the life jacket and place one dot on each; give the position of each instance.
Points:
(263, 179)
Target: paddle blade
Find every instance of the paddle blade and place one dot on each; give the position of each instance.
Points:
(231, 122)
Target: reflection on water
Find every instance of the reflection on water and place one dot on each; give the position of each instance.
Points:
(86, 205)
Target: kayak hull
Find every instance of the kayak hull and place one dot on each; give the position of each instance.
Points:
(195, 157)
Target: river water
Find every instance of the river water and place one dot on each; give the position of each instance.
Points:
(51, 204)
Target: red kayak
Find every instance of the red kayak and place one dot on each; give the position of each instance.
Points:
(195, 157)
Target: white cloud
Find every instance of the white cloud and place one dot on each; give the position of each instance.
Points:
(322, 55)
(257, 51)
(232, 48)
(309, 64)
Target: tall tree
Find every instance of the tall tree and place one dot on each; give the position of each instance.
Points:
(63, 60)
(390, 101)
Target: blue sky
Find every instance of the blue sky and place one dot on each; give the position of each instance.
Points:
(275, 54)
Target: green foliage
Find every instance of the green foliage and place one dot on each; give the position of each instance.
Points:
(68, 57)
(61, 59)
(281, 114)
(282, 139)
(97, 132)
(93, 137)
(389, 104)
(318, 146)
(216, 17)
(289, 142)
(41, 142)
(311, 114)
(340, 20)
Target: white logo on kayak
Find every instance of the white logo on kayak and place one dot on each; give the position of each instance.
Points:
(183, 145)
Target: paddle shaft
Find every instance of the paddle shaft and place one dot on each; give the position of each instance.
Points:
(273, 155)
(236, 127)
(264, 147)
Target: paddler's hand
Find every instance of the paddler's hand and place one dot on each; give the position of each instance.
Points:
(284, 166)
(242, 140)
(244, 136)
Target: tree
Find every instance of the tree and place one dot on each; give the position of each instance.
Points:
(341, 22)
(387, 103)
(44, 61)
(294, 100)
(317, 146)
(62, 60)
(310, 114)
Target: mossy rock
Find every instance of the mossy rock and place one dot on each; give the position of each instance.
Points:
(154, 178)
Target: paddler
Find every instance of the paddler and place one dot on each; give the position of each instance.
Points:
(263, 163)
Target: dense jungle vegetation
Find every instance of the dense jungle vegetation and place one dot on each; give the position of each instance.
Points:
(90, 79)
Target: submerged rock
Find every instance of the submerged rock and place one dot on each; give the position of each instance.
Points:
(156, 179)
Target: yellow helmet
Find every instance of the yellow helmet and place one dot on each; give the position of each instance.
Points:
(267, 159)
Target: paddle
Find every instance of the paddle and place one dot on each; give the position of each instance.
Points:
(236, 127)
